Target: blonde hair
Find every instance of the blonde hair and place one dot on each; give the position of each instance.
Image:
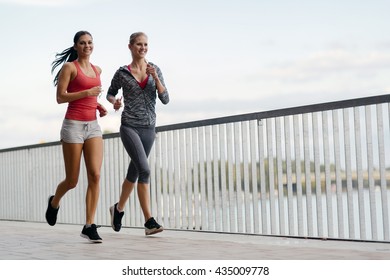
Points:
(135, 36)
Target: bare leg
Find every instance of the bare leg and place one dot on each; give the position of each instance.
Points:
(72, 157)
(127, 188)
(93, 156)
(144, 199)
(143, 196)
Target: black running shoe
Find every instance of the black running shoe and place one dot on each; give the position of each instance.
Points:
(116, 218)
(51, 212)
(152, 227)
(91, 234)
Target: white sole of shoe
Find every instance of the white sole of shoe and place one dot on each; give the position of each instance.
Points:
(112, 217)
(153, 230)
(93, 241)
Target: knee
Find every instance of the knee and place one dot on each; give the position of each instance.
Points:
(144, 175)
(71, 183)
(94, 177)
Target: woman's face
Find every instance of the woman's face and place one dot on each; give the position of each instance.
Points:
(84, 45)
(140, 47)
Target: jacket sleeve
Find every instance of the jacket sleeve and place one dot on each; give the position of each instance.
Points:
(164, 96)
(115, 84)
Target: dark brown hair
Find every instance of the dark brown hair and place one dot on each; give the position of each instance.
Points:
(67, 55)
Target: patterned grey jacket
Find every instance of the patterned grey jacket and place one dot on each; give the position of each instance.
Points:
(139, 104)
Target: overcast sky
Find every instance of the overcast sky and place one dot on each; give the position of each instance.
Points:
(218, 58)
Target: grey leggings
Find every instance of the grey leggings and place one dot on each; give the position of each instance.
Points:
(138, 142)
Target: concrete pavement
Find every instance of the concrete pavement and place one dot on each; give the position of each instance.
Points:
(39, 241)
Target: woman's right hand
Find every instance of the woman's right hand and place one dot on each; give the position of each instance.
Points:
(95, 91)
(118, 104)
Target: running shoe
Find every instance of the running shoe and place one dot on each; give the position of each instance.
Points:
(51, 212)
(91, 234)
(116, 217)
(152, 227)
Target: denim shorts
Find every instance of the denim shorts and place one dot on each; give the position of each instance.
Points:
(79, 131)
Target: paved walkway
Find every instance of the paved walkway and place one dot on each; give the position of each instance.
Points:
(38, 241)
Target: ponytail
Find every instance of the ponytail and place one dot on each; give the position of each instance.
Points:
(67, 55)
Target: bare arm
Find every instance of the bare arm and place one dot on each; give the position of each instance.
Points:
(68, 72)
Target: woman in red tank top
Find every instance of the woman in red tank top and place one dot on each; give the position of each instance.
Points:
(78, 84)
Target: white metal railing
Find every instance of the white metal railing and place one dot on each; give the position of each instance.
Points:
(315, 171)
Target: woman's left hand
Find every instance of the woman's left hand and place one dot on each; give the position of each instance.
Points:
(102, 110)
(150, 70)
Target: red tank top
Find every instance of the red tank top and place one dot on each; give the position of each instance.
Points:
(83, 109)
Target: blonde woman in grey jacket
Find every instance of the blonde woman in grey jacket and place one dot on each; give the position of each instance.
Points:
(141, 83)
